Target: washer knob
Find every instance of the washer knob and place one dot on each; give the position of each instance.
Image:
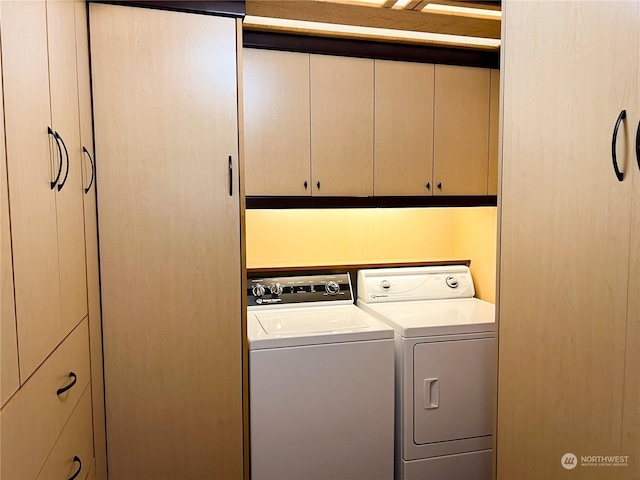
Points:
(452, 282)
(275, 289)
(332, 288)
(258, 290)
(385, 284)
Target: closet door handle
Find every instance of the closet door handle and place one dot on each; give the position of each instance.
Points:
(614, 140)
(74, 378)
(638, 145)
(66, 153)
(230, 176)
(55, 137)
(93, 169)
(76, 459)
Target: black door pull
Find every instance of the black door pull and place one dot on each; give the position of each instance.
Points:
(93, 169)
(305, 184)
(439, 185)
(55, 137)
(74, 378)
(230, 176)
(638, 145)
(76, 459)
(614, 140)
(66, 153)
(318, 184)
(428, 185)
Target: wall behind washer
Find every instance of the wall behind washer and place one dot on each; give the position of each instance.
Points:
(287, 238)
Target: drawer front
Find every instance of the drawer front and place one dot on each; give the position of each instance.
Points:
(32, 420)
(73, 452)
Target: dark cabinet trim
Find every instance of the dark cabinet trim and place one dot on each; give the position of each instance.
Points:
(371, 202)
(371, 49)
(230, 8)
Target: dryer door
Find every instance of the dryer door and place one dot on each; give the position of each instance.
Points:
(453, 387)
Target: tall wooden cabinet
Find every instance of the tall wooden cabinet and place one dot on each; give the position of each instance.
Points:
(44, 315)
(166, 123)
(568, 259)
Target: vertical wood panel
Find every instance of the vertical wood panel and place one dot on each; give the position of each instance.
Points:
(564, 235)
(9, 346)
(341, 125)
(166, 123)
(64, 117)
(91, 242)
(30, 171)
(403, 160)
(277, 122)
(494, 132)
(461, 123)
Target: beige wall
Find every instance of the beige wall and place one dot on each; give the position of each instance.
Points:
(284, 238)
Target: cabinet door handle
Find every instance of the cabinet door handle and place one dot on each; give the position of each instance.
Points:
(318, 184)
(305, 184)
(614, 140)
(428, 185)
(638, 145)
(55, 137)
(76, 459)
(74, 379)
(66, 153)
(230, 176)
(93, 169)
(439, 185)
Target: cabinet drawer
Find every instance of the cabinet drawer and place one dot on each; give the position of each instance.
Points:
(76, 441)
(32, 420)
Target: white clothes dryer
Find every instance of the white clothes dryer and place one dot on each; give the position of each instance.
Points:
(444, 341)
(321, 376)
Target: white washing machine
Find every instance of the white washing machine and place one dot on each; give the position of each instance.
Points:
(321, 382)
(444, 340)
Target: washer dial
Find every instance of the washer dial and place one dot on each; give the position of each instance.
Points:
(332, 288)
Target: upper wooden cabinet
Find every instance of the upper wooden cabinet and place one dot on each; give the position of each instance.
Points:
(494, 133)
(461, 130)
(277, 123)
(341, 125)
(403, 128)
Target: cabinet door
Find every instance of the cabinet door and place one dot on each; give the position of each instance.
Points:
(461, 130)
(564, 259)
(91, 240)
(631, 417)
(9, 347)
(166, 129)
(276, 123)
(64, 116)
(494, 132)
(30, 172)
(341, 126)
(403, 128)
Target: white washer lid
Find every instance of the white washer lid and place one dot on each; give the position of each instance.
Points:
(436, 317)
(313, 326)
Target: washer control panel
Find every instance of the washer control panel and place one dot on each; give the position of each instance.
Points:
(299, 289)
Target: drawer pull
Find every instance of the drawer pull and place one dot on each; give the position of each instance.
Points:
(72, 375)
(76, 459)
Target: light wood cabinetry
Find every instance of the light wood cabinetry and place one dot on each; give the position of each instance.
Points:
(403, 128)
(32, 420)
(30, 173)
(494, 133)
(341, 125)
(564, 264)
(169, 216)
(461, 126)
(277, 123)
(91, 240)
(9, 341)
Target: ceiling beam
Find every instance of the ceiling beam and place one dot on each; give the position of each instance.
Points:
(349, 14)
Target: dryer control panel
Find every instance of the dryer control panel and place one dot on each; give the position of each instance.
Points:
(408, 284)
(299, 290)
